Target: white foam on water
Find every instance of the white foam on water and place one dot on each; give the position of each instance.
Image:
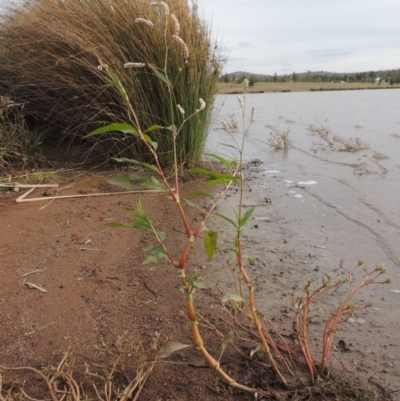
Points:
(298, 196)
(307, 183)
(288, 181)
(353, 320)
(272, 171)
(291, 192)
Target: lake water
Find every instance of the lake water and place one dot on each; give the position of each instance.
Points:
(354, 195)
(316, 204)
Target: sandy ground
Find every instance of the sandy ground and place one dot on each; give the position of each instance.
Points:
(99, 292)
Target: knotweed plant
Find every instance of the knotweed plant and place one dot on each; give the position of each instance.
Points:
(188, 284)
(277, 352)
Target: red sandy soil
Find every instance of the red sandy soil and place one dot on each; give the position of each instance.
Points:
(101, 301)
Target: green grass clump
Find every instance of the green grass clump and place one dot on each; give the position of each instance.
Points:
(50, 50)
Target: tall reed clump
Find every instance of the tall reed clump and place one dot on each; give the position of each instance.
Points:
(48, 49)
(18, 146)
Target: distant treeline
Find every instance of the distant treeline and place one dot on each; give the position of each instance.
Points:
(387, 76)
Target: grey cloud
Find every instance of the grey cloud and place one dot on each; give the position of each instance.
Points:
(328, 53)
(244, 44)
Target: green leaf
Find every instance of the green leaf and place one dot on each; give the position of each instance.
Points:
(228, 339)
(157, 253)
(228, 146)
(156, 184)
(171, 128)
(154, 128)
(138, 181)
(193, 204)
(227, 163)
(131, 161)
(161, 75)
(210, 242)
(231, 296)
(212, 174)
(246, 217)
(118, 84)
(121, 127)
(204, 285)
(218, 181)
(130, 181)
(222, 216)
(171, 347)
(200, 193)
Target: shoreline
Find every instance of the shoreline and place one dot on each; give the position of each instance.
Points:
(291, 87)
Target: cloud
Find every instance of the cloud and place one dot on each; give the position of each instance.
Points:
(244, 44)
(330, 53)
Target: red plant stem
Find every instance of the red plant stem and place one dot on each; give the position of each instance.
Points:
(332, 323)
(185, 253)
(198, 341)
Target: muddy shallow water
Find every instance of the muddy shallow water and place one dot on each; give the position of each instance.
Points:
(319, 203)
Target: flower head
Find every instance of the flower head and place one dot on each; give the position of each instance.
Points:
(253, 110)
(102, 67)
(202, 104)
(134, 65)
(176, 24)
(161, 4)
(240, 102)
(226, 127)
(180, 108)
(145, 22)
(183, 46)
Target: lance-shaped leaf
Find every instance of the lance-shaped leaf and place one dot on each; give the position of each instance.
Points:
(201, 193)
(213, 174)
(210, 242)
(118, 84)
(228, 339)
(227, 163)
(115, 127)
(137, 181)
(171, 347)
(193, 204)
(157, 253)
(161, 75)
(204, 285)
(131, 161)
(246, 217)
(230, 221)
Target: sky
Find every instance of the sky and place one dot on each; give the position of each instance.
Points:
(286, 36)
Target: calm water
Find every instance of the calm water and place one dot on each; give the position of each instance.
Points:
(346, 193)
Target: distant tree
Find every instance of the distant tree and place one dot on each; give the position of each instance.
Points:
(226, 78)
(275, 78)
(252, 80)
(295, 77)
(372, 76)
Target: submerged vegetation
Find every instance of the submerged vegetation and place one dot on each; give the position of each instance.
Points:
(50, 50)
